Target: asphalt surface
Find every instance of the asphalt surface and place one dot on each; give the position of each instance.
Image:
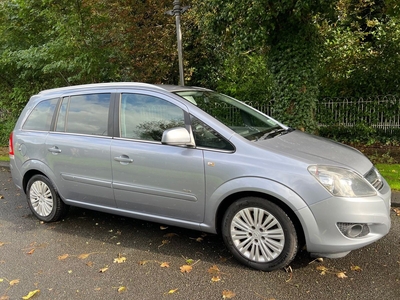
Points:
(92, 255)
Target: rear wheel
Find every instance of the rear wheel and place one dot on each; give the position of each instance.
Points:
(259, 234)
(43, 199)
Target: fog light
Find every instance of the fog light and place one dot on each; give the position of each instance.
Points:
(353, 230)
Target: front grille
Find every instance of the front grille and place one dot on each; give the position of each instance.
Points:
(374, 178)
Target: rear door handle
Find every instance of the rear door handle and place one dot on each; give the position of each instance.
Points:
(54, 150)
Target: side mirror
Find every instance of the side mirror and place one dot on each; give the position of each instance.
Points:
(178, 136)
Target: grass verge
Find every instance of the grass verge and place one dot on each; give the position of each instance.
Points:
(391, 172)
(4, 154)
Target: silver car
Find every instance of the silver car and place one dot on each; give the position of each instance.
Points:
(191, 157)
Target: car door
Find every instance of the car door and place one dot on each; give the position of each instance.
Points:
(149, 178)
(78, 150)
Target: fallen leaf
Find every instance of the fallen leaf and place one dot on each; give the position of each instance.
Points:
(164, 265)
(319, 259)
(14, 282)
(226, 294)
(69, 271)
(143, 262)
(164, 242)
(120, 259)
(163, 227)
(2, 244)
(213, 270)
(356, 268)
(186, 268)
(397, 211)
(1, 279)
(31, 251)
(189, 261)
(172, 291)
(215, 279)
(4, 297)
(322, 269)
(31, 294)
(62, 257)
(103, 270)
(84, 255)
(1, 197)
(199, 239)
(121, 289)
(341, 275)
(89, 264)
(290, 271)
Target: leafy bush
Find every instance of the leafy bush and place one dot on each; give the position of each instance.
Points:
(360, 133)
(6, 126)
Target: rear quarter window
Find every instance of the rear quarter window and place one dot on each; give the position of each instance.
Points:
(41, 116)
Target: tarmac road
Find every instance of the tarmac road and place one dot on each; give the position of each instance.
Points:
(78, 257)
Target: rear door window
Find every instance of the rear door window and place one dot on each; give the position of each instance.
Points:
(84, 114)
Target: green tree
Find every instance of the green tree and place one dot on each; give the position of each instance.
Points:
(361, 53)
(141, 37)
(286, 32)
(46, 44)
(52, 43)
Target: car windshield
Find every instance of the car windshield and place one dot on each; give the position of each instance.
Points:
(241, 118)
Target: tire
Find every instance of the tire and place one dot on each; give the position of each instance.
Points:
(43, 199)
(259, 234)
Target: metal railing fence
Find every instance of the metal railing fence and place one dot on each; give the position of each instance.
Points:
(380, 112)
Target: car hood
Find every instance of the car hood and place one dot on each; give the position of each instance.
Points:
(317, 150)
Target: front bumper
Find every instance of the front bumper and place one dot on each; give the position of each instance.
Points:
(322, 233)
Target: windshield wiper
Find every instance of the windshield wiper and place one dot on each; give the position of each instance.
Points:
(276, 132)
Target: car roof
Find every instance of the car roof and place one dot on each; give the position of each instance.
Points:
(166, 87)
(176, 88)
(96, 86)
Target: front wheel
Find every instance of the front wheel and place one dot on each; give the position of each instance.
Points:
(43, 199)
(259, 234)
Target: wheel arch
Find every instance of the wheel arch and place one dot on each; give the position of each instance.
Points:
(34, 167)
(239, 195)
(28, 175)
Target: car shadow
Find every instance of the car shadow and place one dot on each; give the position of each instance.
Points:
(153, 237)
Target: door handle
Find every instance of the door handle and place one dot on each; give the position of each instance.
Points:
(123, 159)
(54, 150)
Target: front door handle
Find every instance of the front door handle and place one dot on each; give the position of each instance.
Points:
(123, 159)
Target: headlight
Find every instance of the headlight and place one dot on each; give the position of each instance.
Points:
(342, 182)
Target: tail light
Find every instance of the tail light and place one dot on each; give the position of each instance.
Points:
(11, 146)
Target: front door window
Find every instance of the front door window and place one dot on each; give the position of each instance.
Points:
(145, 117)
